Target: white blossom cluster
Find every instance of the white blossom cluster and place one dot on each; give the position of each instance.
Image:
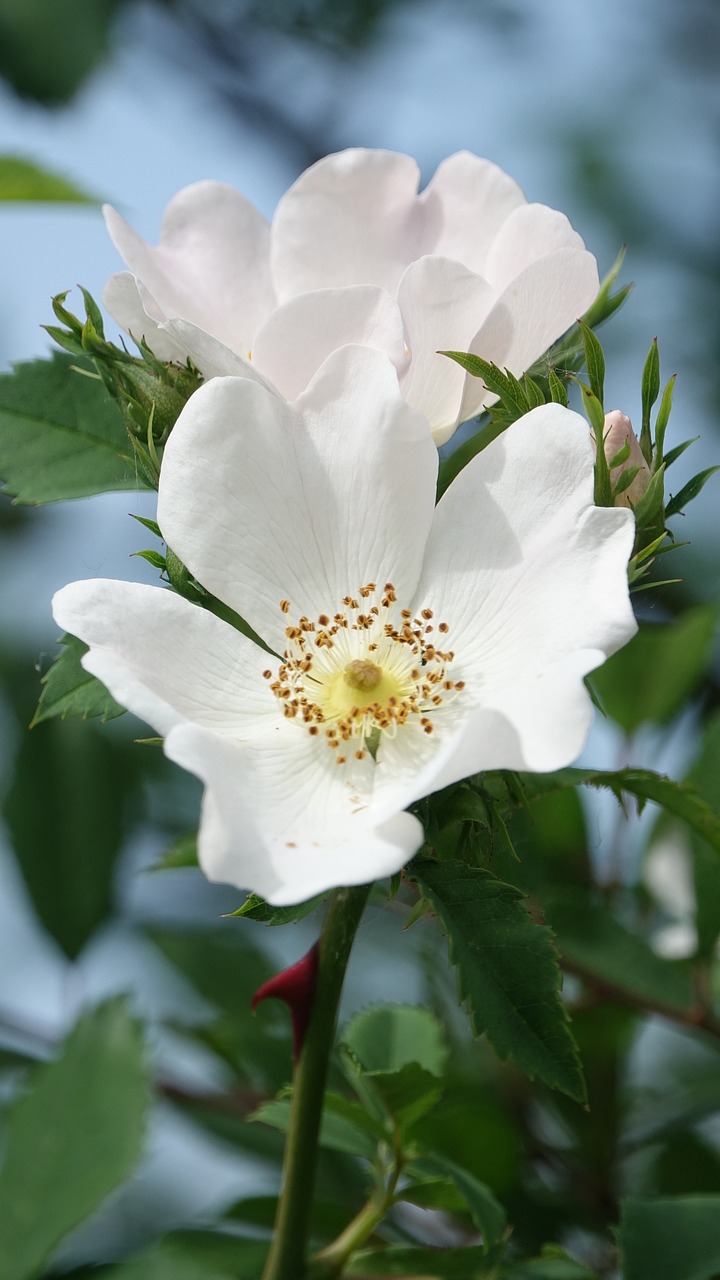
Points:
(406, 645)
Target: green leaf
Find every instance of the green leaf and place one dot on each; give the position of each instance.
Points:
(689, 491)
(66, 814)
(403, 1260)
(558, 389)
(594, 361)
(661, 422)
(61, 436)
(181, 853)
(389, 1037)
(598, 946)
(650, 393)
(69, 690)
(553, 1264)
(671, 1237)
(21, 179)
(38, 56)
(338, 1132)
(507, 971)
(683, 801)
(256, 908)
(73, 1138)
(486, 1212)
(650, 679)
(196, 1255)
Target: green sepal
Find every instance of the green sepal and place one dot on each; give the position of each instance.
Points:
(594, 361)
(689, 491)
(69, 690)
(650, 393)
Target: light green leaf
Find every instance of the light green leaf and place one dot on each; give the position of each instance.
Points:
(181, 853)
(69, 690)
(389, 1037)
(21, 179)
(256, 908)
(338, 1132)
(72, 1138)
(507, 971)
(671, 1238)
(61, 436)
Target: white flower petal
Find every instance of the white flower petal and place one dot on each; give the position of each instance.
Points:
(266, 501)
(300, 334)
(465, 205)
(352, 218)
(124, 302)
(530, 232)
(211, 357)
(535, 309)
(165, 659)
(280, 818)
(531, 579)
(212, 263)
(443, 305)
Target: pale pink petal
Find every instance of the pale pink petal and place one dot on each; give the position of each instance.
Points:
(530, 232)
(533, 312)
(211, 357)
(300, 334)
(268, 501)
(352, 218)
(443, 305)
(167, 660)
(122, 299)
(281, 817)
(212, 263)
(465, 204)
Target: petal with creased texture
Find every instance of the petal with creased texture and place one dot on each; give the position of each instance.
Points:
(212, 263)
(267, 501)
(301, 333)
(280, 817)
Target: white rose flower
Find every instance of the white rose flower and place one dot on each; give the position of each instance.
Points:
(408, 645)
(355, 255)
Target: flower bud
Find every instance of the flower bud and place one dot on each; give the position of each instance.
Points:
(625, 457)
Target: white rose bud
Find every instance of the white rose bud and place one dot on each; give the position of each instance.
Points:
(617, 432)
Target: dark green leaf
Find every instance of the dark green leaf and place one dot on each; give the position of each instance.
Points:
(66, 812)
(594, 362)
(401, 1260)
(652, 677)
(661, 422)
(507, 971)
(61, 436)
(677, 798)
(650, 393)
(71, 1139)
(69, 690)
(678, 451)
(671, 1237)
(689, 491)
(486, 1212)
(21, 179)
(558, 389)
(38, 57)
(598, 946)
(553, 1264)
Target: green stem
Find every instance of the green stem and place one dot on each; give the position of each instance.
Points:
(287, 1258)
(331, 1261)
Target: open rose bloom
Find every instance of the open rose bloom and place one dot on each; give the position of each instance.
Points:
(355, 255)
(408, 645)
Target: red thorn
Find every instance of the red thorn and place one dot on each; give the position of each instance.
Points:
(296, 986)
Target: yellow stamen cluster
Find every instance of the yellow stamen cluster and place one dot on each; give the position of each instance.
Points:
(363, 672)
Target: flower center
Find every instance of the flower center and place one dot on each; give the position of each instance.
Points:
(365, 672)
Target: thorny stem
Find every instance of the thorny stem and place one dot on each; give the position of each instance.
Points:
(288, 1253)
